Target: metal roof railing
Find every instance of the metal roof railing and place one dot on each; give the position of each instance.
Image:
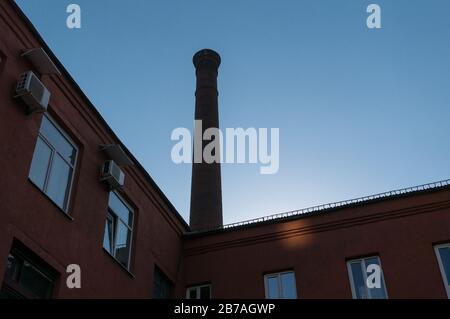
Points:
(343, 203)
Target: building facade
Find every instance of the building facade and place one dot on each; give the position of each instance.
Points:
(130, 242)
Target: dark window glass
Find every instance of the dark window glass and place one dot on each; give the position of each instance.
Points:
(12, 266)
(7, 292)
(192, 293)
(35, 281)
(2, 61)
(162, 286)
(26, 276)
(205, 292)
(199, 292)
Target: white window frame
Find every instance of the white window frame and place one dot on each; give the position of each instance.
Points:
(131, 228)
(280, 289)
(363, 265)
(197, 291)
(49, 165)
(441, 267)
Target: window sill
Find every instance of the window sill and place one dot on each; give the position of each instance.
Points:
(70, 218)
(118, 263)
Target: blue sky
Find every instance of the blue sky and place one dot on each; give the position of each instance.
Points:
(359, 111)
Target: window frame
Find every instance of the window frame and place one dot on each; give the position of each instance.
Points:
(115, 219)
(23, 255)
(54, 152)
(280, 289)
(198, 289)
(362, 260)
(445, 280)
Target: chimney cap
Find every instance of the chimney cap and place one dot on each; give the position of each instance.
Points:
(206, 54)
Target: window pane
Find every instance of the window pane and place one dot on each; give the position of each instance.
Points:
(39, 165)
(358, 281)
(120, 209)
(205, 292)
(8, 293)
(162, 286)
(108, 236)
(288, 286)
(444, 252)
(192, 293)
(272, 287)
(376, 293)
(58, 184)
(12, 266)
(33, 280)
(59, 142)
(122, 243)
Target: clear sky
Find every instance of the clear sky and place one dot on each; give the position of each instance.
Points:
(359, 111)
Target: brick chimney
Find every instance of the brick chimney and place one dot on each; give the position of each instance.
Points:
(206, 189)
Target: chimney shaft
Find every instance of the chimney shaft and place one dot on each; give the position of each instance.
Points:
(206, 188)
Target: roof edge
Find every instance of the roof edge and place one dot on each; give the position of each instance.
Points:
(329, 207)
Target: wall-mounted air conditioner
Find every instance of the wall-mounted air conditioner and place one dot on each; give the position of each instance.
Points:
(112, 175)
(32, 92)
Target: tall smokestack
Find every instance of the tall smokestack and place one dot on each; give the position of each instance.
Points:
(206, 190)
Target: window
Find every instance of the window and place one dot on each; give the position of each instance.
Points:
(27, 276)
(366, 278)
(199, 292)
(118, 229)
(443, 256)
(162, 286)
(53, 163)
(2, 61)
(280, 285)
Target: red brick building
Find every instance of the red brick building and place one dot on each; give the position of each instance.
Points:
(130, 242)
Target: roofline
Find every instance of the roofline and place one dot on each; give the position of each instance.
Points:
(327, 208)
(66, 74)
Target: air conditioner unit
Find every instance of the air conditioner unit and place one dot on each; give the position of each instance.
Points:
(32, 92)
(112, 175)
